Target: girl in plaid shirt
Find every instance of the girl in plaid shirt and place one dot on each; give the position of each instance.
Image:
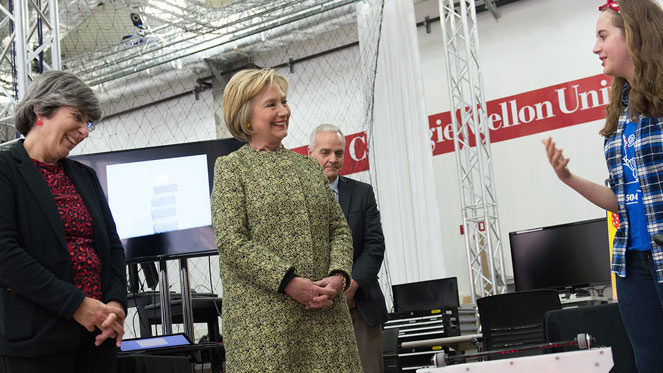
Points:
(629, 43)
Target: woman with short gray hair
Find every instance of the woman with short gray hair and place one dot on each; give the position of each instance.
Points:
(62, 269)
(51, 91)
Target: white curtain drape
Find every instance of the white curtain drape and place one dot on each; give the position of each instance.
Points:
(401, 161)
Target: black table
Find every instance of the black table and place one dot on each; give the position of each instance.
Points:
(153, 364)
(206, 308)
(603, 322)
(176, 359)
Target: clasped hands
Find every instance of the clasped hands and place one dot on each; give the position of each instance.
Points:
(109, 318)
(315, 294)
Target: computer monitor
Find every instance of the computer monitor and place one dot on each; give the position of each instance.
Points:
(160, 197)
(426, 295)
(560, 257)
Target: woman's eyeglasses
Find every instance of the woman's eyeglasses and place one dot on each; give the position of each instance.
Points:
(79, 118)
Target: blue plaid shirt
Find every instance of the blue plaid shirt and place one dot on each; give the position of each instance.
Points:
(649, 158)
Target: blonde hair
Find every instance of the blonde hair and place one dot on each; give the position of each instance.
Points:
(641, 22)
(238, 98)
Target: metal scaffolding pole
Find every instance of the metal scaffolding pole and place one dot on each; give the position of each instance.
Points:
(33, 31)
(21, 47)
(32, 26)
(472, 148)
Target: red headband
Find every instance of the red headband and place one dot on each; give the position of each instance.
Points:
(612, 4)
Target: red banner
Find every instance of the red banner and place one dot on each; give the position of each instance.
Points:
(545, 109)
(356, 153)
(562, 105)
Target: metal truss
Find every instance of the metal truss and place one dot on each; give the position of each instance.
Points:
(492, 8)
(171, 31)
(472, 148)
(30, 45)
(174, 29)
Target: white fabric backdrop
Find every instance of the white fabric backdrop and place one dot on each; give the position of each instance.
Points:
(401, 158)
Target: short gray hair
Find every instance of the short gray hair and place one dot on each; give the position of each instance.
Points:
(50, 91)
(325, 127)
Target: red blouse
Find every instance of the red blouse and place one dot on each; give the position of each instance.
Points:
(78, 231)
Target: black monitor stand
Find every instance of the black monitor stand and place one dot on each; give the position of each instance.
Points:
(149, 271)
(574, 292)
(164, 298)
(176, 307)
(187, 308)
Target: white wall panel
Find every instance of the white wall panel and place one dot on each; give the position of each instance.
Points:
(535, 44)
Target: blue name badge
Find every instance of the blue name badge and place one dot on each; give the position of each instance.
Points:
(155, 342)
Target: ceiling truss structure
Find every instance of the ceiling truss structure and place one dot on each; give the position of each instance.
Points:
(168, 31)
(173, 30)
(181, 32)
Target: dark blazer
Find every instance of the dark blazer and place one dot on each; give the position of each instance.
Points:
(357, 201)
(38, 297)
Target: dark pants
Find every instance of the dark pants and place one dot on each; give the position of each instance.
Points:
(85, 359)
(369, 343)
(641, 305)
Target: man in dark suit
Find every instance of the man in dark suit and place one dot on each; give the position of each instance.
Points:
(357, 200)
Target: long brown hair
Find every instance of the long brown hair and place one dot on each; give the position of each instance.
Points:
(641, 22)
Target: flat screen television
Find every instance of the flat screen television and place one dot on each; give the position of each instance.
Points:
(561, 257)
(426, 295)
(160, 197)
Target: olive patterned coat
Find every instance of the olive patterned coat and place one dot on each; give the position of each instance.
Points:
(274, 212)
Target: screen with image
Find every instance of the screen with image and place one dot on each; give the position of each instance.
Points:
(565, 256)
(165, 195)
(160, 197)
(160, 342)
